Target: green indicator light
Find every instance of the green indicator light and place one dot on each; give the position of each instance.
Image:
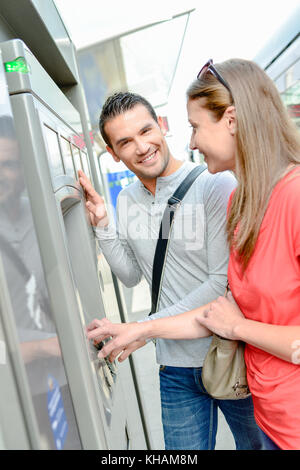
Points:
(17, 65)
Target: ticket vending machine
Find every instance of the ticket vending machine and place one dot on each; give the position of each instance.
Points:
(84, 395)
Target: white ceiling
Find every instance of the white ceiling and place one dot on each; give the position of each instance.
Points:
(92, 21)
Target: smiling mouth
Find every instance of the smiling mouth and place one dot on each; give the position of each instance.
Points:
(149, 158)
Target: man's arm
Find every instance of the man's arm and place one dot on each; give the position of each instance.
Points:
(215, 203)
(119, 255)
(117, 252)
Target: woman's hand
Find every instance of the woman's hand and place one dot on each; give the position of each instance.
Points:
(222, 317)
(126, 337)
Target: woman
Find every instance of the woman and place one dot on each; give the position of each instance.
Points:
(239, 123)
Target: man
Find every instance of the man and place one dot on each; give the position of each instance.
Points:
(195, 272)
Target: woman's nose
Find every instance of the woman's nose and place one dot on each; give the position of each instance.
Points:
(192, 144)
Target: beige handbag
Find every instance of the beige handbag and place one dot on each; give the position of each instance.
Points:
(224, 369)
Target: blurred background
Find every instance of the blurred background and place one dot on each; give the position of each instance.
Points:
(156, 49)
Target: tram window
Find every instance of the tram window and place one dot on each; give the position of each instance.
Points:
(85, 164)
(67, 156)
(54, 157)
(280, 83)
(76, 158)
(297, 70)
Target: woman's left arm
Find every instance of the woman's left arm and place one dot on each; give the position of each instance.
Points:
(224, 318)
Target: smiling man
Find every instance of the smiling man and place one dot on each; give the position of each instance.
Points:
(195, 272)
(135, 138)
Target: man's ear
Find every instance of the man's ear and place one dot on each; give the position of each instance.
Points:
(230, 116)
(161, 125)
(115, 157)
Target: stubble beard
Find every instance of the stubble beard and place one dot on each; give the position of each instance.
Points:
(164, 163)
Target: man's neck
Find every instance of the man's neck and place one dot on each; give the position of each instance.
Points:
(172, 167)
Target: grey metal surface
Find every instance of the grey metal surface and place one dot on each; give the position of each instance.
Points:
(38, 82)
(58, 274)
(26, 314)
(39, 24)
(16, 410)
(67, 245)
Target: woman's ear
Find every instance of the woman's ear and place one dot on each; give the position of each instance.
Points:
(230, 116)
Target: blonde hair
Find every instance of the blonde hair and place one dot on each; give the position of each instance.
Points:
(266, 138)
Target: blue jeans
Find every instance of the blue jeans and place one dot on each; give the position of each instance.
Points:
(268, 443)
(190, 415)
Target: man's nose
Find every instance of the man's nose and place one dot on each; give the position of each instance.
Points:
(141, 147)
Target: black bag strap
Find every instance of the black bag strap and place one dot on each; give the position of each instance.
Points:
(19, 264)
(164, 232)
(14, 257)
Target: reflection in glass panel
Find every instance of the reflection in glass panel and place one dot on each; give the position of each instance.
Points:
(76, 158)
(55, 162)
(85, 164)
(39, 343)
(67, 156)
(149, 68)
(291, 96)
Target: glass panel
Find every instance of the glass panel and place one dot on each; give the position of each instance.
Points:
(149, 69)
(39, 343)
(291, 95)
(76, 159)
(67, 156)
(143, 62)
(85, 164)
(291, 98)
(54, 157)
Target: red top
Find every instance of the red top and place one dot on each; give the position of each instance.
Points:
(269, 292)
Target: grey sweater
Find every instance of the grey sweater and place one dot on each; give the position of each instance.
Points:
(196, 267)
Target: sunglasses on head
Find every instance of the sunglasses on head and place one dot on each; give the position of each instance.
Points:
(209, 67)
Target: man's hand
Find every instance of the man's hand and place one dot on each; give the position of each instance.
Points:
(126, 337)
(95, 203)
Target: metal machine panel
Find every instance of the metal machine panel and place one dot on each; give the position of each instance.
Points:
(25, 74)
(51, 149)
(95, 291)
(29, 332)
(11, 414)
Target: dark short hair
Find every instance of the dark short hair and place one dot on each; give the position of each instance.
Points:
(119, 103)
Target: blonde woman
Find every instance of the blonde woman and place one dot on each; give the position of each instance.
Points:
(239, 123)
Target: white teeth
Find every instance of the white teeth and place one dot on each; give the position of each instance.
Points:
(149, 158)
